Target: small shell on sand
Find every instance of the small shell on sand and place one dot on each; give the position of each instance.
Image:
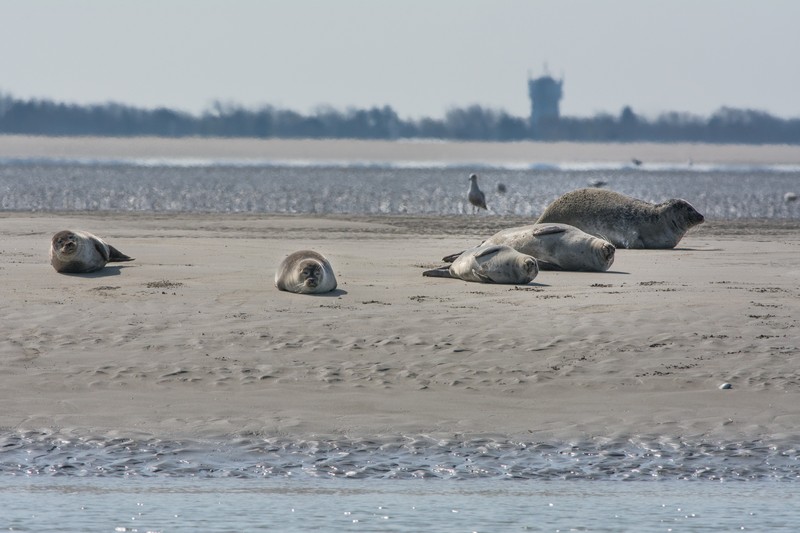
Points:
(725, 386)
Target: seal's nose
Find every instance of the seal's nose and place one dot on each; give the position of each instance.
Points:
(608, 251)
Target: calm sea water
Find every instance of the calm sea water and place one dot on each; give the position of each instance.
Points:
(392, 483)
(186, 505)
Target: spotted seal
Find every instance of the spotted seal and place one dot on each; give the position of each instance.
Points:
(556, 247)
(622, 220)
(490, 264)
(305, 272)
(79, 252)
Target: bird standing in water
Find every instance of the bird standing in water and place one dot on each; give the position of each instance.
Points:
(475, 196)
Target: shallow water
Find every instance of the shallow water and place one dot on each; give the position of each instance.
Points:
(401, 506)
(51, 482)
(52, 185)
(392, 457)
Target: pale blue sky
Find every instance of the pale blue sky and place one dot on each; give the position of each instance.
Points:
(422, 57)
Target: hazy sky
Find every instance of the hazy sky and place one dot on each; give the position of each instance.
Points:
(422, 57)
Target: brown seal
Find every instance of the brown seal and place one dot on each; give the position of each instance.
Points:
(622, 220)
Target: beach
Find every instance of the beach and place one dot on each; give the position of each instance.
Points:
(193, 340)
(409, 150)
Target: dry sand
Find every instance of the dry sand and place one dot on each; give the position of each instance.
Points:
(193, 340)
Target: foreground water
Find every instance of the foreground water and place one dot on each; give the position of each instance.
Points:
(403, 484)
(178, 505)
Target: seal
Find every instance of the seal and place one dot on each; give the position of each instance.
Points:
(622, 220)
(490, 264)
(79, 252)
(305, 272)
(556, 247)
(475, 195)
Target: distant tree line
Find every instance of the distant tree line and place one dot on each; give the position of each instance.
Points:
(727, 125)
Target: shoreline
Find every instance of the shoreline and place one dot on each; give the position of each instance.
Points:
(192, 340)
(404, 150)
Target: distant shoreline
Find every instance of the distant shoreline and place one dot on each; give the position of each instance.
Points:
(403, 150)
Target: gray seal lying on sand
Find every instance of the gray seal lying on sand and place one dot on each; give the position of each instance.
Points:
(556, 247)
(78, 252)
(305, 272)
(490, 264)
(624, 221)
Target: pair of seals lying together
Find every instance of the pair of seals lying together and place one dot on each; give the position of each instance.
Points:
(505, 257)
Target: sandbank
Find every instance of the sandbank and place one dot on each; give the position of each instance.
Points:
(192, 340)
(376, 151)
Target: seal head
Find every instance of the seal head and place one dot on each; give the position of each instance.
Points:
(305, 272)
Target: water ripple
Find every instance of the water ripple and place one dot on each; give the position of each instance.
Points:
(410, 457)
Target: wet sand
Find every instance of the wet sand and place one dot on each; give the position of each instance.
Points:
(414, 151)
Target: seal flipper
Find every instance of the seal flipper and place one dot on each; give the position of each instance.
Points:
(480, 273)
(441, 272)
(490, 250)
(452, 257)
(115, 256)
(104, 251)
(548, 230)
(544, 265)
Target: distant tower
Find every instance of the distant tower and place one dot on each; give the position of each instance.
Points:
(545, 93)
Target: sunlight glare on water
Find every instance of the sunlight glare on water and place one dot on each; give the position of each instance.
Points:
(717, 192)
